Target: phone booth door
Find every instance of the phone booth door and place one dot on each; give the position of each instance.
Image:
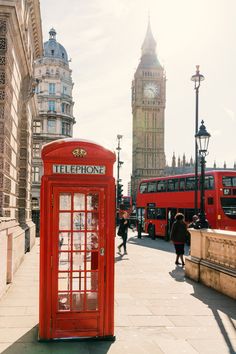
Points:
(77, 262)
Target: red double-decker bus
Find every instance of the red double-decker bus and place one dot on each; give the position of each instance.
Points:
(159, 199)
(125, 205)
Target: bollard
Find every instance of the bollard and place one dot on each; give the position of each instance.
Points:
(139, 230)
(151, 231)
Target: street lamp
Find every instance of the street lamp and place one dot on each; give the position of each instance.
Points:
(202, 140)
(119, 163)
(197, 78)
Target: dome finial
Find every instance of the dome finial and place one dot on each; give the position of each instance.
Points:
(52, 33)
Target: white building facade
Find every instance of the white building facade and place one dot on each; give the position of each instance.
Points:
(55, 105)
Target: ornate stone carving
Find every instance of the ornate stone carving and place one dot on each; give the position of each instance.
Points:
(3, 43)
(7, 184)
(2, 95)
(1, 111)
(6, 201)
(3, 26)
(2, 77)
(2, 60)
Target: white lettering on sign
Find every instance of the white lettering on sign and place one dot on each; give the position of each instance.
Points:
(79, 169)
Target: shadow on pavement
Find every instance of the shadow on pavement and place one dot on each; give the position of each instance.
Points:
(178, 274)
(121, 257)
(29, 344)
(159, 244)
(222, 307)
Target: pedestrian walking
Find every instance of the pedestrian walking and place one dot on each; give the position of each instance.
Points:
(194, 223)
(123, 231)
(179, 234)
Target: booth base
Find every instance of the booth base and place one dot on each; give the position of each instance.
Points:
(79, 339)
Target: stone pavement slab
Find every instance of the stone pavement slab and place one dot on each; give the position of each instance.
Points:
(157, 310)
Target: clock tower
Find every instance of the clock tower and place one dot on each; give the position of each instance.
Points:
(148, 109)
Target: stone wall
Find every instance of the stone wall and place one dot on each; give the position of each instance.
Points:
(212, 260)
(12, 246)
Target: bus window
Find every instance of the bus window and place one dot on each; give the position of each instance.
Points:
(151, 213)
(229, 181)
(182, 184)
(160, 213)
(161, 186)
(190, 183)
(140, 216)
(143, 187)
(209, 182)
(156, 213)
(152, 187)
(226, 181)
(172, 185)
(229, 207)
(176, 184)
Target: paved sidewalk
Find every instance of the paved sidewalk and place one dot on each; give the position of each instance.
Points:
(157, 309)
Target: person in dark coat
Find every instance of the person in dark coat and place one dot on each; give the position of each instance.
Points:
(178, 236)
(193, 224)
(124, 225)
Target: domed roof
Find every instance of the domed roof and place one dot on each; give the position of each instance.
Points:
(53, 49)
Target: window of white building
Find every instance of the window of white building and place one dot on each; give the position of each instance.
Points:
(52, 126)
(51, 105)
(36, 150)
(35, 174)
(65, 128)
(51, 88)
(37, 127)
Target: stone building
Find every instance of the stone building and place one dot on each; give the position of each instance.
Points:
(55, 104)
(148, 109)
(182, 166)
(20, 45)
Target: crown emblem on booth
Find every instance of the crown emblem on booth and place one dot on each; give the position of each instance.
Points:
(79, 152)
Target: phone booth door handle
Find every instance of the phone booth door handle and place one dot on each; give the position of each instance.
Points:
(102, 251)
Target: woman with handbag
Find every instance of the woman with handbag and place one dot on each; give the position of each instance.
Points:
(123, 231)
(178, 235)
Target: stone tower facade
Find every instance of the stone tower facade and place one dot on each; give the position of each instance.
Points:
(148, 109)
(55, 105)
(20, 45)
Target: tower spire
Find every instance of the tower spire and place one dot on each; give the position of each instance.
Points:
(149, 57)
(149, 43)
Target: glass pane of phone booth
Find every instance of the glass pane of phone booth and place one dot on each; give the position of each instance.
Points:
(78, 241)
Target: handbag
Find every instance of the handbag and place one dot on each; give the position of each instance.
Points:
(119, 232)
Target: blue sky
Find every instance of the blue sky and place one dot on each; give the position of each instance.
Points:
(104, 37)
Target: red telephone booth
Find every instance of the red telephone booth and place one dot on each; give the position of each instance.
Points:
(77, 226)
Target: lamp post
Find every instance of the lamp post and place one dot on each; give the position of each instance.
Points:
(202, 140)
(197, 78)
(119, 163)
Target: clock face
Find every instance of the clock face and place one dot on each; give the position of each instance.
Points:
(151, 90)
